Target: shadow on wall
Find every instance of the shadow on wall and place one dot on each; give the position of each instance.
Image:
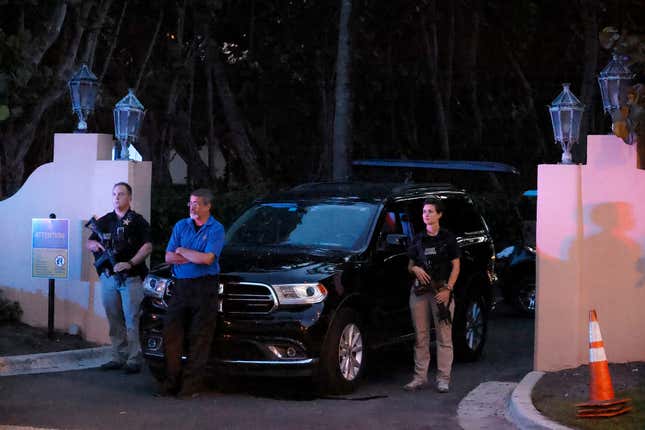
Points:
(602, 272)
(612, 249)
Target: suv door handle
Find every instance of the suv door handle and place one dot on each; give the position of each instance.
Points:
(470, 240)
(391, 257)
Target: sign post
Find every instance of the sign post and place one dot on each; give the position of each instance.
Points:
(50, 256)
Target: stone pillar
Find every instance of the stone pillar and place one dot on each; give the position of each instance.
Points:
(76, 185)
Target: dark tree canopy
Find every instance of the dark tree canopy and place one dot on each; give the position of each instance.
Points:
(252, 81)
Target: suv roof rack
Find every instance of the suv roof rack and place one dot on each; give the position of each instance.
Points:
(482, 166)
(358, 190)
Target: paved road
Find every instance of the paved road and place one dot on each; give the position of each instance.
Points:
(92, 399)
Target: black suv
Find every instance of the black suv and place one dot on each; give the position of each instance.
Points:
(315, 279)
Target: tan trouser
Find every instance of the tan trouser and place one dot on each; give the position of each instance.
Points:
(420, 308)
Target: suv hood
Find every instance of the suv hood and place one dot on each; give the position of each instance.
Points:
(280, 264)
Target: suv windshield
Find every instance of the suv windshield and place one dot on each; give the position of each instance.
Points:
(335, 225)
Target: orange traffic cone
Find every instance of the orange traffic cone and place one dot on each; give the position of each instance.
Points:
(601, 391)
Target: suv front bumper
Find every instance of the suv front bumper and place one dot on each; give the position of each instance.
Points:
(285, 345)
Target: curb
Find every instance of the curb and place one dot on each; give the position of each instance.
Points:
(485, 406)
(76, 359)
(521, 411)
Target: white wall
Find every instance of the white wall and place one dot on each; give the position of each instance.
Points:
(591, 255)
(76, 185)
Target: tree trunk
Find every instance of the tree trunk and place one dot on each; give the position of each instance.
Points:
(150, 49)
(528, 90)
(115, 38)
(198, 172)
(343, 96)
(92, 38)
(472, 66)
(325, 119)
(240, 140)
(589, 14)
(432, 59)
(213, 142)
(33, 54)
(18, 134)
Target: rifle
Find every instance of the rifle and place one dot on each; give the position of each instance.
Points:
(104, 261)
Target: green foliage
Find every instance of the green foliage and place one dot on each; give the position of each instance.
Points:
(9, 311)
(169, 206)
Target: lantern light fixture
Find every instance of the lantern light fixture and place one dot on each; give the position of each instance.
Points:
(615, 81)
(128, 118)
(566, 115)
(83, 87)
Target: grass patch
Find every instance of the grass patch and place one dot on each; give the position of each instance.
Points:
(563, 411)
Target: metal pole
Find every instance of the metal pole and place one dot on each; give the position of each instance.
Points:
(50, 311)
(52, 297)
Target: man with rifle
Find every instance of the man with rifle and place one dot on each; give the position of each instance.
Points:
(120, 241)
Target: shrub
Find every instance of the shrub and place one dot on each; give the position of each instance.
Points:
(9, 311)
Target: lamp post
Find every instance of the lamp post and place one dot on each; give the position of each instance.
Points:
(615, 82)
(566, 115)
(83, 88)
(128, 117)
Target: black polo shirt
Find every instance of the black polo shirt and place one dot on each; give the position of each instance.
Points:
(126, 235)
(435, 253)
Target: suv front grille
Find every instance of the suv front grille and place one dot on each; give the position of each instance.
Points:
(246, 298)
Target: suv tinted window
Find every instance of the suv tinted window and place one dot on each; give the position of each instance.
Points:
(460, 216)
(320, 225)
(395, 221)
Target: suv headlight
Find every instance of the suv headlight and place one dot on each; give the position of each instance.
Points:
(300, 294)
(155, 286)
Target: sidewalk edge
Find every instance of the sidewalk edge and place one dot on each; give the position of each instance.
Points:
(521, 411)
(75, 359)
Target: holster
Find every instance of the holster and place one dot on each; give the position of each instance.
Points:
(433, 288)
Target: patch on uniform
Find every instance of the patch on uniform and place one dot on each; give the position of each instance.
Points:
(430, 251)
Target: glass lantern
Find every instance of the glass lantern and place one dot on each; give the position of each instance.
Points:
(83, 88)
(128, 118)
(615, 80)
(566, 115)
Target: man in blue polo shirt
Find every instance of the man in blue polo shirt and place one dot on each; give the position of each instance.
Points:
(193, 251)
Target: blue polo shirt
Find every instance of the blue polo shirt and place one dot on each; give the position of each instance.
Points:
(209, 238)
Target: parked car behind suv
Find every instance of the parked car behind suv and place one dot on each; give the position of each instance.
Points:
(315, 279)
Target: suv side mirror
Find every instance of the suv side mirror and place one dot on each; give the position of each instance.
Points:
(397, 240)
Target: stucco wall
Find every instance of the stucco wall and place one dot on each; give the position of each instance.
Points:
(591, 255)
(76, 185)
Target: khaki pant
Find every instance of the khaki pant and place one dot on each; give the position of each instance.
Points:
(421, 307)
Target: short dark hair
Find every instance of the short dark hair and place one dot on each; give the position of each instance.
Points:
(438, 204)
(205, 194)
(124, 184)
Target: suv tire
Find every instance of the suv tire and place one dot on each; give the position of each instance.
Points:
(524, 296)
(469, 328)
(342, 359)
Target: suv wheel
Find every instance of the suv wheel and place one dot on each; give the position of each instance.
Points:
(342, 360)
(524, 298)
(469, 328)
